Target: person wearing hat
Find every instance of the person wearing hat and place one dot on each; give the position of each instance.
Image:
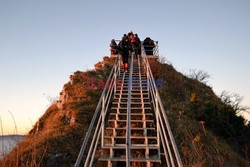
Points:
(113, 47)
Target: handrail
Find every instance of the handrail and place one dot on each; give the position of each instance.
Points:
(96, 129)
(101, 110)
(170, 148)
(128, 134)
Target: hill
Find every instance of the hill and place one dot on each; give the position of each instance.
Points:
(207, 128)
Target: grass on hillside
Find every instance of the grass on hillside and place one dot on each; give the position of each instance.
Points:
(207, 130)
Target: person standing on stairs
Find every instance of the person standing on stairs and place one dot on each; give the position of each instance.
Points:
(124, 48)
(133, 43)
(149, 45)
(137, 45)
(113, 47)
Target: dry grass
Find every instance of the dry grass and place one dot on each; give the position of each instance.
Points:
(56, 133)
(25, 154)
(200, 147)
(56, 137)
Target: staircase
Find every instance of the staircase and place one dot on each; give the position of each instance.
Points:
(131, 125)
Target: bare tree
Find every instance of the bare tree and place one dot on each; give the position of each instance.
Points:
(199, 75)
(234, 100)
(52, 100)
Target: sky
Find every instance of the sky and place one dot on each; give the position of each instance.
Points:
(42, 42)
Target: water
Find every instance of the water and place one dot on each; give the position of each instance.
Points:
(8, 142)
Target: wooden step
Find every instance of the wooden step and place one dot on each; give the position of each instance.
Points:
(132, 128)
(141, 114)
(132, 137)
(131, 102)
(123, 146)
(131, 121)
(134, 108)
(153, 159)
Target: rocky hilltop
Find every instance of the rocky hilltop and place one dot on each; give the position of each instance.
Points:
(207, 128)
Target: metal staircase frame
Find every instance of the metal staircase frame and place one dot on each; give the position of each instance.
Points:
(96, 128)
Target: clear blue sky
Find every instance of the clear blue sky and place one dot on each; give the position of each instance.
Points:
(42, 42)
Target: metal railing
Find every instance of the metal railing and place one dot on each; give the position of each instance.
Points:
(156, 49)
(97, 126)
(100, 111)
(128, 134)
(164, 132)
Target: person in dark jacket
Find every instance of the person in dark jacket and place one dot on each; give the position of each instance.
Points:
(137, 44)
(124, 48)
(149, 45)
(113, 47)
(125, 36)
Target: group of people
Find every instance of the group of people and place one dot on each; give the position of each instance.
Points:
(130, 43)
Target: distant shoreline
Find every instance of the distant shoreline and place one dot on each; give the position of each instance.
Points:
(12, 135)
(8, 142)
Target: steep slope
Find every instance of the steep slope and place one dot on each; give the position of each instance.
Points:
(207, 128)
(208, 132)
(57, 136)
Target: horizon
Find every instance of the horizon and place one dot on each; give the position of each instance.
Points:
(42, 43)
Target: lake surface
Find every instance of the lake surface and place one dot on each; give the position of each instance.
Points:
(8, 142)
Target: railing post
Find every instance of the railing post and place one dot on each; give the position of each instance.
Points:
(119, 64)
(115, 79)
(103, 119)
(157, 122)
(128, 141)
(148, 78)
